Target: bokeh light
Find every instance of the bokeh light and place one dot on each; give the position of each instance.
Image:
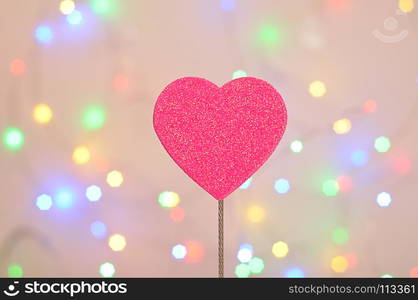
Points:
(42, 114)
(104, 8)
(256, 265)
(75, 17)
(352, 260)
(406, 5)
(179, 251)
(339, 264)
(383, 199)
(256, 214)
(168, 199)
(94, 193)
(296, 146)
(94, 117)
(246, 184)
(294, 272)
(242, 271)
(177, 214)
(107, 270)
(14, 271)
(117, 242)
(359, 158)
(17, 67)
(114, 178)
(67, 6)
(270, 35)
(386, 275)
(342, 126)
(195, 251)
(382, 144)
(64, 199)
(98, 229)
(401, 164)
(414, 272)
(280, 249)
(43, 34)
(282, 186)
(245, 253)
(369, 106)
(81, 155)
(13, 138)
(340, 236)
(44, 202)
(330, 187)
(317, 89)
(239, 74)
(345, 183)
(120, 83)
(228, 5)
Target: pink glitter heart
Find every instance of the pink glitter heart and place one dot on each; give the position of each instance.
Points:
(220, 136)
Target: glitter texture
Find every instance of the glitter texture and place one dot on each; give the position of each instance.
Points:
(220, 136)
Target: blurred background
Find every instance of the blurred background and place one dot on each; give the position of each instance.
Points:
(87, 190)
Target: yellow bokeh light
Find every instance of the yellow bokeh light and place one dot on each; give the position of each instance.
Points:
(81, 155)
(255, 214)
(339, 264)
(342, 126)
(117, 242)
(317, 89)
(280, 249)
(42, 113)
(67, 6)
(406, 5)
(114, 178)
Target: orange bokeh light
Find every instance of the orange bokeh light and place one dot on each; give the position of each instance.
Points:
(177, 214)
(195, 251)
(369, 106)
(345, 183)
(120, 83)
(352, 260)
(17, 67)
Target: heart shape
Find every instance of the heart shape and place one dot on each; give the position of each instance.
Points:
(220, 136)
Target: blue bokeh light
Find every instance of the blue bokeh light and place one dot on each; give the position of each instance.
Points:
(245, 253)
(228, 5)
(44, 34)
(246, 184)
(294, 272)
(98, 229)
(44, 202)
(75, 18)
(64, 199)
(282, 186)
(359, 158)
(94, 193)
(179, 251)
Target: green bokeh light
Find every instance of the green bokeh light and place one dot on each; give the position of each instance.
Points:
(104, 8)
(256, 265)
(296, 146)
(386, 276)
(13, 138)
(242, 271)
(107, 270)
(330, 187)
(270, 35)
(239, 74)
(94, 117)
(15, 271)
(340, 236)
(382, 144)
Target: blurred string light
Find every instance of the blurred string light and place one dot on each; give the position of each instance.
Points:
(75, 17)
(44, 34)
(42, 114)
(414, 272)
(94, 117)
(294, 272)
(359, 158)
(195, 251)
(98, 229)
(352, 260)
(256, 265)
(280, 249)
(120, 83)
(114, 178)
(94, 193)
(17, 67)
(401, 164)
(44, 202)
(339, 264)
(179, 251)
(67, 6)
(177, 214)
(345, 183)
(342, 126)
(242, 270)
(81, 155)
(239, 74)
(255, 214)
(246, 184)
(386, 275)
(13, 138)
(117, 242)
(406, 5)
(107, 270)
(15, 271)
(270, 35)
(317, 89)
(228, 5)
(168, 199)
(330, 187)
(369, 106)
(383, 199)
(64, 198)
(282, 186)
(382, 144)
(245, 253)
(296, 146)
(340, 236)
